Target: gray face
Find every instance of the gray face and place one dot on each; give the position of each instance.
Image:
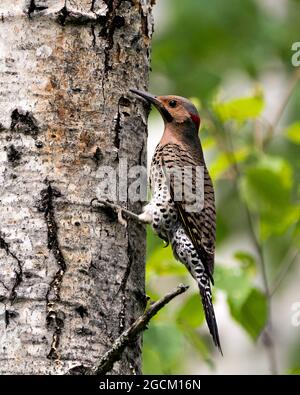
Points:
(189, 106)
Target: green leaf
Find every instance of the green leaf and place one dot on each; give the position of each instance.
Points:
(163, 345)
(247, 261)
(224, 161)
(151, 361)
(247, 305)
(191, 313)
(293, 132)
(234, 281)
(252, 313)
(198, 343)
(240, 109)
(277, 222)
(267, 185)
(153, 242)
(161, 262)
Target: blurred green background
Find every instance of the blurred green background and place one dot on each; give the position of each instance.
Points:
(233, 58)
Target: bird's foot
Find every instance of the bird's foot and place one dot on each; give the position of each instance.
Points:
(117, 209)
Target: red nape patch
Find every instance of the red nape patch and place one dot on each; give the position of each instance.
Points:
(196, 120)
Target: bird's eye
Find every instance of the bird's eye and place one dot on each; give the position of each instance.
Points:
(173, 103)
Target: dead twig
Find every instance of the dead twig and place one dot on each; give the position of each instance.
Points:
(114, 354)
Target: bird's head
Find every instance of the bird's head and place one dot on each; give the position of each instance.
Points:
(175, 110)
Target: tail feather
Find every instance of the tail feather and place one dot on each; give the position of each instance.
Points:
(192, 261)
(205, 293)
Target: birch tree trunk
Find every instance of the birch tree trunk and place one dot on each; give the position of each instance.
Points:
(71, 277)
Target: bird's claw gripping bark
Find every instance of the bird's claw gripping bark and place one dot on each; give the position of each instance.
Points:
(120, 211)
(117, 209)
(121, 220)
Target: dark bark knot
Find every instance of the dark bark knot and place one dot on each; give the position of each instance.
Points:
(55, 318)
(66, 15)
(13, 155)
(123, 108)
(32, 8)
(118, 129)
(18, 271)
(62, 17)
(110, 22)
(82, 311)
(97, 156)
(23, 122)
(10, 315)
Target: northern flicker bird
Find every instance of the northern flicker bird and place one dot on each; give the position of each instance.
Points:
(179, 220)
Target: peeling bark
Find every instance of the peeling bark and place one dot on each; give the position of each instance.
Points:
(71, 277)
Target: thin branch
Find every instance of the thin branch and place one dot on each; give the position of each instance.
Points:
(268, 330)
(259, 250)
(292, 86)
(283, 273)
(290, 262)
(267, 335)
(106, 362)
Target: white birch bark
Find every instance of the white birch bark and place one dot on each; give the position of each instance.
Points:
(71, 278)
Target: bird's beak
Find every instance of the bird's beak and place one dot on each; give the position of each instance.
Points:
(156, 102)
